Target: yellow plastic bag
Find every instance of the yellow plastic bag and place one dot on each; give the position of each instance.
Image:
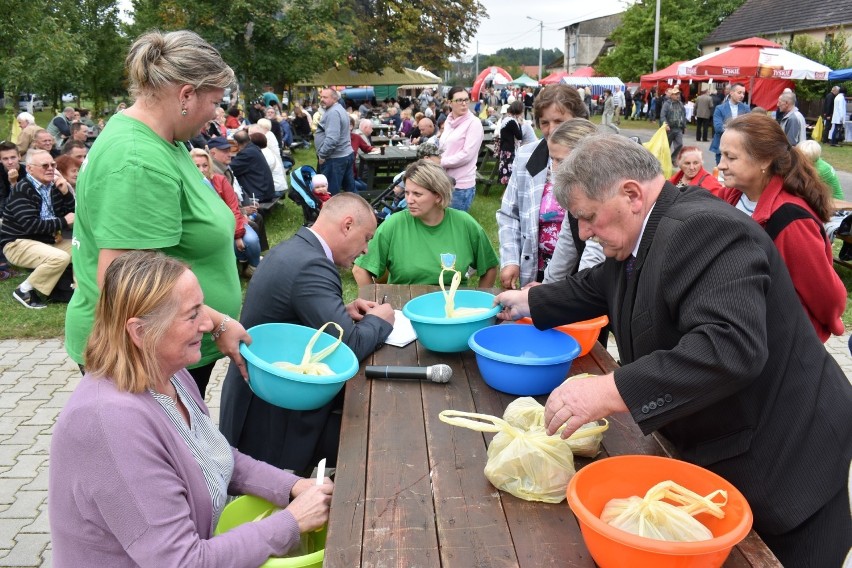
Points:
(659, 146)
(527, 413)
(311, 362)
(525, 462)
(651, 517)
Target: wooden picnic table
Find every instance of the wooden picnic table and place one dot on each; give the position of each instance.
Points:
(841, 204)
(380, 168)
(410, 490)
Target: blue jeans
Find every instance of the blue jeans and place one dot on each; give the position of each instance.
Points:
(252, 252)
(339, 173)
(463, 198)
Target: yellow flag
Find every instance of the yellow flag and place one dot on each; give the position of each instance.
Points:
(817, 132)
(659, 146)
(15, 132)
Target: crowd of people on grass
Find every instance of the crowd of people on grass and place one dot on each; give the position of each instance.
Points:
(720, 295)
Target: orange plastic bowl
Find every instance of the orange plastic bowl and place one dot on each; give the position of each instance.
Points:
(585, 332)
(623, 476)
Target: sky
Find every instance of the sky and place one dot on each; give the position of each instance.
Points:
(507, 24)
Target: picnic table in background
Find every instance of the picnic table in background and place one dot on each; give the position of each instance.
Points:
(410, 490)
(380, 169)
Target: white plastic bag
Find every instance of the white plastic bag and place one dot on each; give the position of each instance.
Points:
(523, 461)
(651, 517)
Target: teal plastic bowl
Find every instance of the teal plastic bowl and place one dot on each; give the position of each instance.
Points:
(523, 360)
(275, 342)
(438, 333)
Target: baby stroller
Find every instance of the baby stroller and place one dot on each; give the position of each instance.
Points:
(390, 200)
(300, 192)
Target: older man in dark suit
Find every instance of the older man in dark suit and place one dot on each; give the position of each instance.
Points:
(298, 282)
(717, 353)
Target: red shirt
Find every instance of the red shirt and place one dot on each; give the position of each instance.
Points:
(808, 257)
(358, 143)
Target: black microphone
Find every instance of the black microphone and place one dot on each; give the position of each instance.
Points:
(434, 373)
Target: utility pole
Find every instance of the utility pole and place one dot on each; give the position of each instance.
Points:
(477, 59)
(656, 38)
(540, 43)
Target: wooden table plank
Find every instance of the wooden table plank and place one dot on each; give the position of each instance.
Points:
(471, 523)
(399, 528)
(346, 531)
(543, 534)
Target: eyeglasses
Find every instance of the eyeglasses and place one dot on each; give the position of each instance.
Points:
(50, 166)
(461, 101)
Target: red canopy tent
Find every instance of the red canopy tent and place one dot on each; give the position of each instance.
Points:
(554, 78)
(763, 65)
(583, 72)
(490, 77)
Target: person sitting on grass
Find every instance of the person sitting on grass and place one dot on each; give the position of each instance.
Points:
(39, 207)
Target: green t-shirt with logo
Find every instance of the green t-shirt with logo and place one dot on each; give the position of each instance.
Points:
(411, 251)
(137, 191)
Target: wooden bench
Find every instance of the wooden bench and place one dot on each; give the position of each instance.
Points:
(487, 168)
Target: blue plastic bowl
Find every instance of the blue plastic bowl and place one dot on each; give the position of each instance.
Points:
(523, 360)
(274, 342)
(436, 332)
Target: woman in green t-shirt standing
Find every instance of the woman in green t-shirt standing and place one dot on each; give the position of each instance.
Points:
(139, 189)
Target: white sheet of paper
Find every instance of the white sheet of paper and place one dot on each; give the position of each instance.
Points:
(403, 333)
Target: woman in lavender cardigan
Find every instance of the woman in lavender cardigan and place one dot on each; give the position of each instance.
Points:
(139, 473)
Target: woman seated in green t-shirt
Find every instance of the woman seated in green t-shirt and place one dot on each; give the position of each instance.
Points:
(408, 245)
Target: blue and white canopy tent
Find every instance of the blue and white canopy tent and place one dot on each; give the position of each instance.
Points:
(597, 84)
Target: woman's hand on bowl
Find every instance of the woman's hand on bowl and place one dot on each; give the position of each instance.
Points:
(229, 338)
(311, 506)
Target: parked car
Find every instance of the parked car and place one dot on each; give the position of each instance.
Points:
(30, 103)
(68, 98)
(226, 99)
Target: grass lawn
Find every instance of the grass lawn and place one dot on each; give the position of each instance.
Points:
(282, 223)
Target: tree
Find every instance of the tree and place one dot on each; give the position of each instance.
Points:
(683, 23)
(399, 33)
(37, 49)
(263, 41)
(832, 53)
(96, 28)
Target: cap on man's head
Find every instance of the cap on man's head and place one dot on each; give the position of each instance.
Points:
(219, 142)
(427, 150)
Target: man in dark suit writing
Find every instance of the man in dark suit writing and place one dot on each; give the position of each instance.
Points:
(298, 282)
(717, 353)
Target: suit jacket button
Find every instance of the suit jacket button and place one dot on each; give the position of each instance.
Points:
(668, 398)
(652, 405)
(660, 402)
(645, 409)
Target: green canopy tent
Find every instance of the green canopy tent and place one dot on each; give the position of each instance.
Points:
(524, 81)
(346, 77)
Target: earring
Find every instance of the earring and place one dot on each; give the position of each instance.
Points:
(183, 112)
